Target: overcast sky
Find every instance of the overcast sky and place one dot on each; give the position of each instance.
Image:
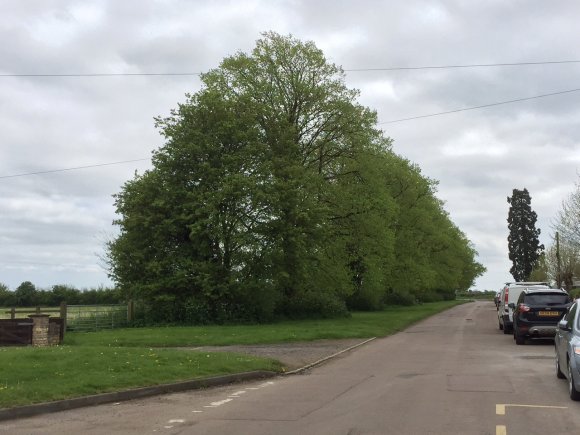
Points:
(53, 226)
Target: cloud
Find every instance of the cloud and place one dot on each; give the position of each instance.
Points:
(53, 226)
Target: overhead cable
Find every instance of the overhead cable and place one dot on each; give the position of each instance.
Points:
(380, 123)
(481, 107)
(396, 68)
(71, 169)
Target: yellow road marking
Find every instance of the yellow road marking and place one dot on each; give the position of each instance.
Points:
(500, 408)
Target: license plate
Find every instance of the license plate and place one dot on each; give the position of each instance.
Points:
(549, 313)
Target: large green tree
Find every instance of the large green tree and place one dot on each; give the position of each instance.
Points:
(26, 294)
(274, 193)
(523, 239)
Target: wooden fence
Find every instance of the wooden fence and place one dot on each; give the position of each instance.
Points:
(74, 317)
(15, 332)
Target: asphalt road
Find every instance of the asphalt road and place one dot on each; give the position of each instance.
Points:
(454, 373)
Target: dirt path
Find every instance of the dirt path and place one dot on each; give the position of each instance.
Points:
(291, 355)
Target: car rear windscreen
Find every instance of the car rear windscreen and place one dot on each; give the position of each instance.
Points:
(546, 299)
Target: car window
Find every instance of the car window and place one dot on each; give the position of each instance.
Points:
(546, 299)
(570, 316)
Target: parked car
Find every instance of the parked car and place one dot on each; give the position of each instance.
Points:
(567, 347)
(496, 299)
(509, 294)
(537, 313)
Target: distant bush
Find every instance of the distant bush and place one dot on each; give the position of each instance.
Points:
(395, 297)
(27, 295)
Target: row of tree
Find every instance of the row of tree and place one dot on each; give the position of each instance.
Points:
(27, 295)
(560, 263)
(275, 194)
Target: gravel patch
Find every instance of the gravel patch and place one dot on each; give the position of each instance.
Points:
(291, 355)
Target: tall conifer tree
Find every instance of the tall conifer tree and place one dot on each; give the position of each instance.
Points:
(523, 242)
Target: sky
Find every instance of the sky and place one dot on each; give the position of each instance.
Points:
(54, 225)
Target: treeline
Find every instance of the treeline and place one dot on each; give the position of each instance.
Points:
(27, 295)
(560, 262)
(276, 195)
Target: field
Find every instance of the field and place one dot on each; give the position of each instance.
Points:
(96, 362)
(81, 317)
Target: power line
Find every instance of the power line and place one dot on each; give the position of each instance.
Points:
(397, 68)
(71, 169)
(102, 74)
(480, 107)
(384, 122)
(476, 65)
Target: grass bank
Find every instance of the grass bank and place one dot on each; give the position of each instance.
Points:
(359, 325)
(32, 375)
(97, 362)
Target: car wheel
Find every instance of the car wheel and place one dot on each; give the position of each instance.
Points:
(519, 339)
(574, 394)
(559, 373)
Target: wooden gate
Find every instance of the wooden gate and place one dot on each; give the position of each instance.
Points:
(15, 332)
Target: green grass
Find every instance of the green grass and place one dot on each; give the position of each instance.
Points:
(360, 325)
(97, 362)
(31, 375)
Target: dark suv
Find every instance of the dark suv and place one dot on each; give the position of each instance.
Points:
(537, 312)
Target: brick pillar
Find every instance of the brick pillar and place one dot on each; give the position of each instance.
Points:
(39, 329)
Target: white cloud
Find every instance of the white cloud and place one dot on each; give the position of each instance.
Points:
(53, 226)
(475, 143)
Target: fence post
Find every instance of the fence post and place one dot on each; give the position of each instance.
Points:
(130, 311)
(63, 315)
(37, 310)
(13, 313)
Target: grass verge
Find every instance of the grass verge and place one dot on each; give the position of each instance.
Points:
(32, 375)
(359, 325)
(98, 362)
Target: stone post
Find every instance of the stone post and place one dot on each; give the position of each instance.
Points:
(39, 329)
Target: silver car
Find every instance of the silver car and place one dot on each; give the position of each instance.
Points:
(567, 344)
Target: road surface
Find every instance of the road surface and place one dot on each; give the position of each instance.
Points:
(454, 373)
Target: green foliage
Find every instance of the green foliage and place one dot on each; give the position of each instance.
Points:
(276, 195)
(7, 297)
(523, 239)
(27, 295)
(358, 325)
(399, 297)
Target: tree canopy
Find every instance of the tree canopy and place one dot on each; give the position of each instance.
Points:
(276, 194)
(523, 239)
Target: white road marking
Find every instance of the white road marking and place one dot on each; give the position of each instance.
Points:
(500, 430)
(229, 399)
(221, 402)
(177, 420)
